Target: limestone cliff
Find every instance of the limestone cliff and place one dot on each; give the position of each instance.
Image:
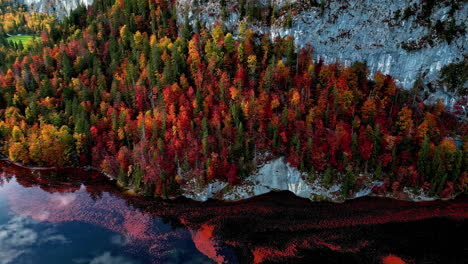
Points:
(400, 38)
(56, 7)
(405, 39)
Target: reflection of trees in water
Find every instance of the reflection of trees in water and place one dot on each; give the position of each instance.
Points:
(55, 180)
(274, 227)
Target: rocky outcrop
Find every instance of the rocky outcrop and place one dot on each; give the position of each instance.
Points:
(374, 31)
(275, 175)
(55, 7)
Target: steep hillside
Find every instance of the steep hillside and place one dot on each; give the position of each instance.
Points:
(171, 109)
(406, 39)
(400, 38)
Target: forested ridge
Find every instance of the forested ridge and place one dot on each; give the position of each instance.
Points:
(125, 87)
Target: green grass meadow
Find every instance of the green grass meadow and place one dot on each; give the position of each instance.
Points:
(25, 39)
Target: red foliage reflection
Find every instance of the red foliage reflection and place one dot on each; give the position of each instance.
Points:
(392, 259)
(271, 228)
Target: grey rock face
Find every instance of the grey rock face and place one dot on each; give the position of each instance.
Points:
(276, 175)
(55, 7)
(364, 30)
(346, 31)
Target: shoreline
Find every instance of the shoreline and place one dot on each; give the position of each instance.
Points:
(250, 189)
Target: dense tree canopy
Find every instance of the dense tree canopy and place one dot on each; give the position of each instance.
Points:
(127, 88)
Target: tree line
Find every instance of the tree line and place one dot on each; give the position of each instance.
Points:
(126, 87)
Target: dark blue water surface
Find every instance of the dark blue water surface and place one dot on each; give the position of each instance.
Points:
(65, 221)
(37, 235)
(77, 216)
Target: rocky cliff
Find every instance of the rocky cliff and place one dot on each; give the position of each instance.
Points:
(56, 7)
(278, 175)
(405, 39)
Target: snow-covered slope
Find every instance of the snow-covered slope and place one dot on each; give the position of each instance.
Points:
(364, 30)
(56, 7)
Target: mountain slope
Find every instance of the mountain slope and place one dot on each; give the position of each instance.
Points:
(124, 87)
(400, 38)
(406, 39)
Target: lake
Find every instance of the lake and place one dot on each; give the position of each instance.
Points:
(79, 216)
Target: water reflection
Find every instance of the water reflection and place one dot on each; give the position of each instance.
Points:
(105, 225)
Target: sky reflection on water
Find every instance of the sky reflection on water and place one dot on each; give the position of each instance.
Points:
(76, 216)
(41, 227)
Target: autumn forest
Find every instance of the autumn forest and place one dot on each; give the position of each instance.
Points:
(134, 89)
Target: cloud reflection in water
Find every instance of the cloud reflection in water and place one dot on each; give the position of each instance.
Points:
(17, 236)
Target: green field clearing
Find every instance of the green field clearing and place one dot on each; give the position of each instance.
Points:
(25, 39)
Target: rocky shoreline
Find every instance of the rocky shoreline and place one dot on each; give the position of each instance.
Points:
(277, 175)
(273, 176)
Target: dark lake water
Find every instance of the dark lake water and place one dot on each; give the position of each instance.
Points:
(76, 216)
